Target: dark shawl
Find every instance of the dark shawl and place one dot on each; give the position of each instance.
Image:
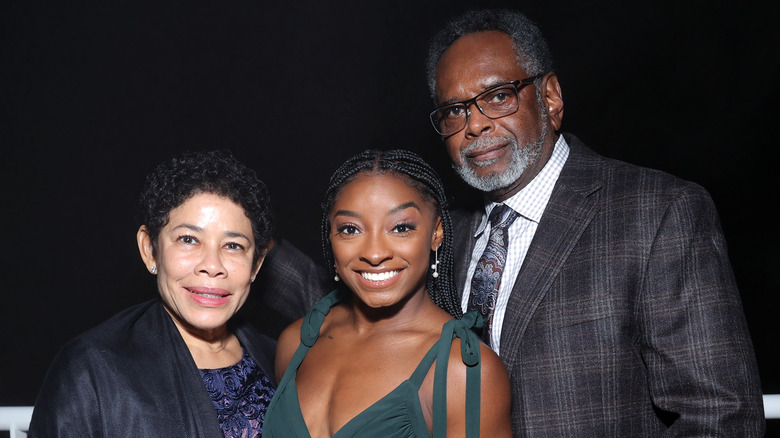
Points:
(134, 376)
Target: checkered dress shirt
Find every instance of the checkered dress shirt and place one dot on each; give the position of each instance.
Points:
(529, 203)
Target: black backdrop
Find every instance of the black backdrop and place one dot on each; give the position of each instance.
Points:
(94, 94)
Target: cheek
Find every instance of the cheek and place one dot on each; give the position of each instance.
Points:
(417, 252)
(238, 266)
(175, 264)
(340, 251)
(525, 126)
(241, 268)
(453, 149)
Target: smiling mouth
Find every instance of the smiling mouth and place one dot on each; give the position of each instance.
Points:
(379, 276)
(489, 154)
(207, 292)
(208, 295)
(485, 150)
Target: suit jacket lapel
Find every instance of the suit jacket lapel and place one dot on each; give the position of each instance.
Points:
(570, 210)
(465, 225)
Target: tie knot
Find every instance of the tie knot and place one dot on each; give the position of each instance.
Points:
(502, 216)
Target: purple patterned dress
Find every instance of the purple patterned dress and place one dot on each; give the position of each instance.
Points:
(240, 394)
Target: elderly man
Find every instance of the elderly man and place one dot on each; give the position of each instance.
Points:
(606, 287)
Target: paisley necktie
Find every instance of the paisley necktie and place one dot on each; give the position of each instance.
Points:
(487, 275)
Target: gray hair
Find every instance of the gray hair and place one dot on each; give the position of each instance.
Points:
(531, 49)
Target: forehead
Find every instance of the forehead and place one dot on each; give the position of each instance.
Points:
(209, 207)
(475, 62)
(370, 191)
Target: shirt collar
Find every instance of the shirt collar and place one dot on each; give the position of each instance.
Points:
(531, 201)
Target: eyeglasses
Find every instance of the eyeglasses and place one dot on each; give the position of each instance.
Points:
(498, 101)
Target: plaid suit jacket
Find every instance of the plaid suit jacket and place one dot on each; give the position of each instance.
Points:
(625, 319)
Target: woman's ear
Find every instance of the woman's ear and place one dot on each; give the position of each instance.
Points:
(438, 235)
(261, 259)
(146, 248)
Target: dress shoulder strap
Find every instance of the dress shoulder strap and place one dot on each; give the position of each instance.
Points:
(425, 364)
(310, 328)
(310, 331)
(469, 343)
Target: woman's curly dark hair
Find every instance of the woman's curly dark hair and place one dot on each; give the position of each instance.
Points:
(423, 178)
(218, 172)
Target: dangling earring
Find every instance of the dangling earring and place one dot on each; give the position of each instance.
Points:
(336, 277)
(435, 266)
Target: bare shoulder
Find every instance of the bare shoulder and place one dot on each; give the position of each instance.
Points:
(286, 345)
(493, 369)
(495, 396)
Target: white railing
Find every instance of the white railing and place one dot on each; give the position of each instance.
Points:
(772, 406)
(16, 419)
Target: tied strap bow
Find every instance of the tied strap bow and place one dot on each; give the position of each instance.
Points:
(310, 329)
(470, 354)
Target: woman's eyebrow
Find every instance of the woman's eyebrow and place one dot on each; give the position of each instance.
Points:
(236, 234)
(404, 206)
(191, 227)
(349, 213)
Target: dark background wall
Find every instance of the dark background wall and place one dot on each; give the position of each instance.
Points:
(94, 94)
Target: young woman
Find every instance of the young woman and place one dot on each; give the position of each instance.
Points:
(389, 353)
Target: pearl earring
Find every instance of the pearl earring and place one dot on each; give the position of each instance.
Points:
(336, 277)
(435, 265)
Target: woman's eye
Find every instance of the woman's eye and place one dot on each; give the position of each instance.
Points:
(189, 240)
(234, 246)
(347, 229)
(404, 228)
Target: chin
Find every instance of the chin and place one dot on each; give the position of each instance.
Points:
(209, 321)
(208, 326)
(378, 302)
(383, 300)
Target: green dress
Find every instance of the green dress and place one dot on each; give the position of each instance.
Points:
(398, 414)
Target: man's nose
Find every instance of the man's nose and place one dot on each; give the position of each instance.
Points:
(477, 123)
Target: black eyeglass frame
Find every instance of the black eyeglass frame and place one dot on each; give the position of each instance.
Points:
(518, 84)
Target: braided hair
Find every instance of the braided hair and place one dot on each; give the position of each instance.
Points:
(419, 175)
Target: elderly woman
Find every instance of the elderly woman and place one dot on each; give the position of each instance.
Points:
(178, 365)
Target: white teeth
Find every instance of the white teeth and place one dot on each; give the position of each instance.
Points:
(381, 276)
(209, 295)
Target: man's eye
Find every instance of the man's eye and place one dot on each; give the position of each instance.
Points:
(499, 97)
(453, 112)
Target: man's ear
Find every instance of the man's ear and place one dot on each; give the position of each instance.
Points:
(146, 248)
(553, 100)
